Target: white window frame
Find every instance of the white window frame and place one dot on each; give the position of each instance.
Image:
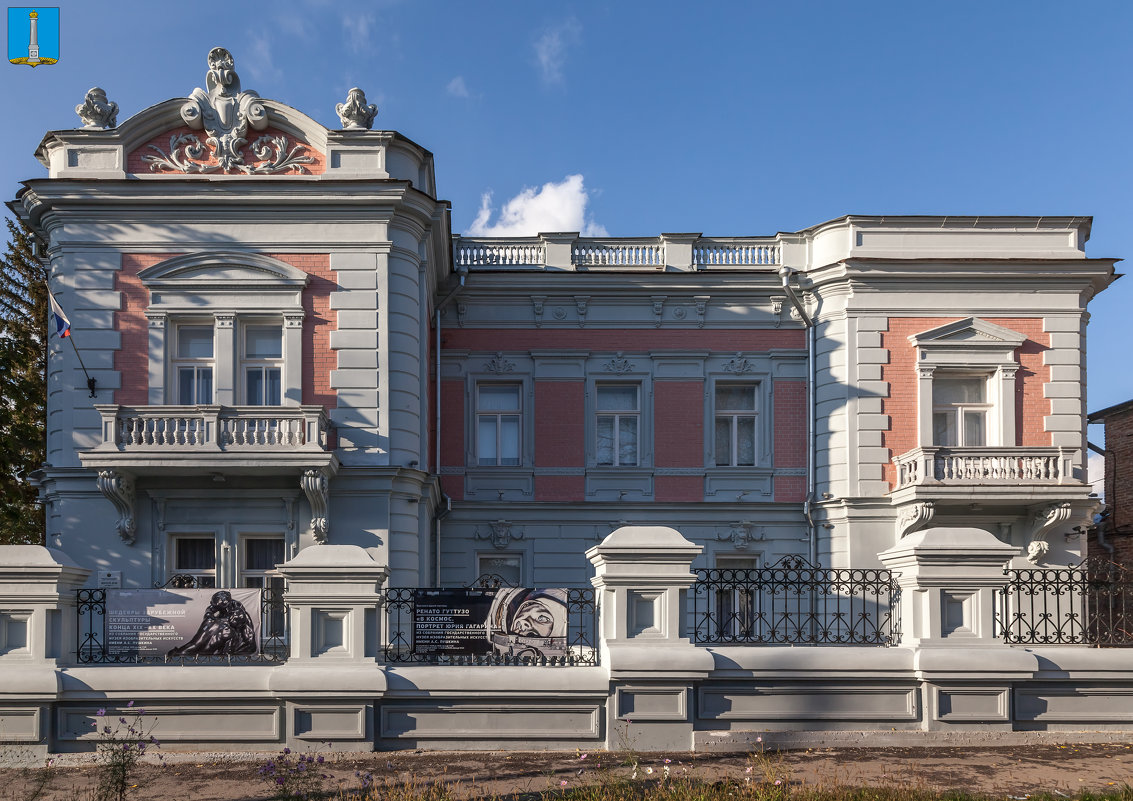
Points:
(217, 572)
(969, 347)
(177, 363)
(481, 556)
(498, 414)
(230, 289)
(734, 415)
(960, 409)
(636, 414)
(244, 362)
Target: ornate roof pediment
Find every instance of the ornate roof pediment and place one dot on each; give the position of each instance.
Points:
(969, 332)
(234, 271)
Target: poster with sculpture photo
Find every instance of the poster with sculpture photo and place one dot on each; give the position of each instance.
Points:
(513, 621)
(183, 623)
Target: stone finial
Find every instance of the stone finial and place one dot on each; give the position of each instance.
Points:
(354, 114)
(96, 111)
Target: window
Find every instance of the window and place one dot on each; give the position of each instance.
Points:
(735, 425)
(735, 604)
(195, 556)
(498, 413)
(262, 365)
(508, 568)
(193, 364)
(959, 410)
(618, 424)
(261, 555)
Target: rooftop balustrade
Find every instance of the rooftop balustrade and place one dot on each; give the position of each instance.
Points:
(552, 251)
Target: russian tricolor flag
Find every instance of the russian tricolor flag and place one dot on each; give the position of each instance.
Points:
(62, 324)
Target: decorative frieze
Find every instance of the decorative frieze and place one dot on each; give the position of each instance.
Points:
(658, 303)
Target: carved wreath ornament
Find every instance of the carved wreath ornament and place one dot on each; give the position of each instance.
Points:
(225, 113)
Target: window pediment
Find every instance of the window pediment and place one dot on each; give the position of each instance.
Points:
(224, 271)
(971, 331)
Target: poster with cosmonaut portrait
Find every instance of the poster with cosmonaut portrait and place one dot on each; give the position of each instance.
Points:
(512, 621)
(176, 623)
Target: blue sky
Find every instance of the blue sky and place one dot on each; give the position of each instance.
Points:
(730, 119)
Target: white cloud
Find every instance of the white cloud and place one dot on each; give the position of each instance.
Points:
(552, 207)
(551, 49)
(260, 63)
(359, 29)
(457, 88)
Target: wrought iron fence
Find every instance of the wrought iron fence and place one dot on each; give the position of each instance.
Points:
(498, 644)
(95, 646)
(795, 602)
(1086, 604)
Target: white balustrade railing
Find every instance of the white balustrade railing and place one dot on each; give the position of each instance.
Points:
(223, 428)
(734, 253)
(618, 253)
(984, 465)
(499, 253)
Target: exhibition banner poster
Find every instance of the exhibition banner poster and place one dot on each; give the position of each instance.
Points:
(177, 622)
(511, 621)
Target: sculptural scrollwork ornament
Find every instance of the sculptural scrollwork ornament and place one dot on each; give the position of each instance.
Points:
(618, 365)
(738, 365)
(225, 113)
(1044, 522)
(500, 533)
(316, 487)
(355, 114)
(741, 534)
(498, 364)
(119, 490)
(913, 517)
(96, 111)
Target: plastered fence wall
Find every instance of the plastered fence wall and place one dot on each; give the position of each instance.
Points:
(948, 675)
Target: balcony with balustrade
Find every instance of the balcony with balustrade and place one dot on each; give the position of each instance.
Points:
(198, 440)
(673, 252)
(990, 473)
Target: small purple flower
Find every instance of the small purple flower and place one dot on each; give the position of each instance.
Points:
(279, 780)
(130, 704)
(287, 750)
(320, 759)
(101, 713)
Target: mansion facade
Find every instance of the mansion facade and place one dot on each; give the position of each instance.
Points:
(291, 347)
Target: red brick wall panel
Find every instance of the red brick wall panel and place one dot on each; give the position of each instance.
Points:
(900, 372)
(131, 360)
(790, 489)
(320, 320)
(614, 339)
(560, 430)
(789, 419)
(452, 423)
(678, 424)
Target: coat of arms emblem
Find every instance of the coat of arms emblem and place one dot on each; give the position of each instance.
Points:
(33, 36)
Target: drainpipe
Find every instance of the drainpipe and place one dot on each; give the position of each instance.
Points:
(462, 273)
(812, 530)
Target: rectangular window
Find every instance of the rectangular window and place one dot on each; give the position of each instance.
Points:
(193, 364)
(959, 411)
(736, 601)
(617, 424)
(735, 425)
(262, 365)
(257, 569)
(195, 556)
(498, 413)
(508, 568)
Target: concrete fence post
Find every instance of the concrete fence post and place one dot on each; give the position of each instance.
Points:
(642, 576)
(948, 579)
(37, 634)
(331, 679)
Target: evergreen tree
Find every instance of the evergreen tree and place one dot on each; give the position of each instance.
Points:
(23, 386)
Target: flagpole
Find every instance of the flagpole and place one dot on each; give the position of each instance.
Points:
(91, 383)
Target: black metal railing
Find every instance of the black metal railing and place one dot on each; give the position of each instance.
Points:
(94, 645)
(400, 615)
(794, 602)
(1086, 604)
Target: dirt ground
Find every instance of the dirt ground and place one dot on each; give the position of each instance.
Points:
(1012, 771)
